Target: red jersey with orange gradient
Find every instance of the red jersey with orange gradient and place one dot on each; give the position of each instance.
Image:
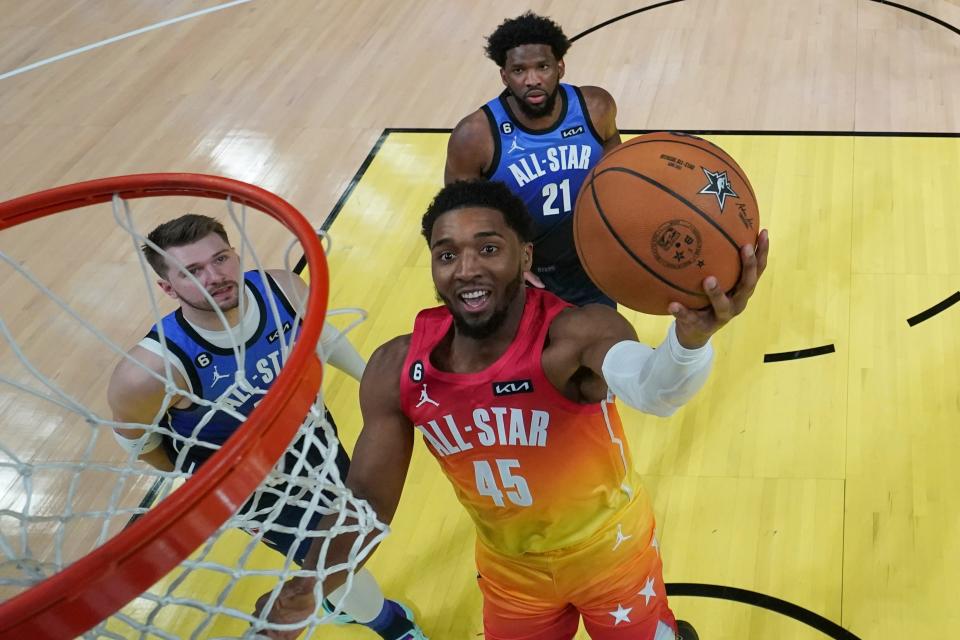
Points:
(536, 471)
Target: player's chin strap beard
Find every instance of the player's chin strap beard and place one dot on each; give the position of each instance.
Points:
(543, 110)
(495, 321)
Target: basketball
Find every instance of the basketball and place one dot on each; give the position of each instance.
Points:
(660, 213)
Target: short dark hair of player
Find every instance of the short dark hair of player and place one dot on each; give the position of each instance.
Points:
(526, 29)
(488, 194)
(179, 232)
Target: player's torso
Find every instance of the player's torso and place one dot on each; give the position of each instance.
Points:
(210, 367)
(545, 168)
(536, 471)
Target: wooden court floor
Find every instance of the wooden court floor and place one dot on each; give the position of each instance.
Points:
(825, 481)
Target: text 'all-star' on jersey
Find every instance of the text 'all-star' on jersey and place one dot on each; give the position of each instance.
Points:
(209, 365)
(536, 471)
(546, 169)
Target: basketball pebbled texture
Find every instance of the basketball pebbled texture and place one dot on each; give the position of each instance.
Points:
(660, 213)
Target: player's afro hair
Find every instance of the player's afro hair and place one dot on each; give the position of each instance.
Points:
(526, 29)
(487, 194)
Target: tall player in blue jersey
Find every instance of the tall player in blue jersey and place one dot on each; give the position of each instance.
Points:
(540, 137)
(201, 358)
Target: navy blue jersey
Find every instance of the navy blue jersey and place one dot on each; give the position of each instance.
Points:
(211, 372)
(546, 169)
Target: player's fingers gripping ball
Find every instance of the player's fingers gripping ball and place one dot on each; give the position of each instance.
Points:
(659, 214)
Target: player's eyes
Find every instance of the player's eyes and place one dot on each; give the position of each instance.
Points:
(487, 249)
(445, 256)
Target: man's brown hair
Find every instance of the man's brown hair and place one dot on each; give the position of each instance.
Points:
(178, 232)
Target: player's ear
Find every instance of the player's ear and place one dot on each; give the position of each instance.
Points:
(503, 76)
(526, 256)
(167, 288)
(561, 69)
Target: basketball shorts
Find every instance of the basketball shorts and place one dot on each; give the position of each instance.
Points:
(614, 581)
(291, 515)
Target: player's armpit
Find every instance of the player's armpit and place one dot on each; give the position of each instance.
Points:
(469, 150)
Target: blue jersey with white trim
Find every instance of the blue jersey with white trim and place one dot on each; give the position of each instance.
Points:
(212, 371)
(546, 169)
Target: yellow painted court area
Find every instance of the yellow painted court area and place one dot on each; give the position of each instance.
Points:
(827, 481)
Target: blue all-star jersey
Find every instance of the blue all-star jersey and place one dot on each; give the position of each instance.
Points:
(546, 170)
(211, 371)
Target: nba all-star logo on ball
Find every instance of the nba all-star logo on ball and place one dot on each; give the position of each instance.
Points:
(719, 186)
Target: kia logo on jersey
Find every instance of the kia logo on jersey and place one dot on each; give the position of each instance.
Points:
(511, 387)
(573, 131)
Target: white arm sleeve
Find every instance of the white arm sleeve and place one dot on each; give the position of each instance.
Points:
(336, 350)
(657, 381)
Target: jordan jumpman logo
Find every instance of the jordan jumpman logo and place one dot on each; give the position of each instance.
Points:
(424, 398)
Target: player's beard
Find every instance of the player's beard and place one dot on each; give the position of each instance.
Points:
(204, 304)
(540, 110)
(485, 329)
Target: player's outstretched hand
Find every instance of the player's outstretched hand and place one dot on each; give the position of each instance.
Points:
(695, 326)
(295, 603)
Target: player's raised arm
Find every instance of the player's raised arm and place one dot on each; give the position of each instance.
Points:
(136, 397)
(378, 471)
(334, 347)
(469, 150)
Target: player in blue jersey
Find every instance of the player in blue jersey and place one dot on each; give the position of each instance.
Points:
(201, 358)
(539, 137)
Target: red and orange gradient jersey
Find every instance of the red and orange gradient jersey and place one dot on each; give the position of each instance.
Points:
(537, 472)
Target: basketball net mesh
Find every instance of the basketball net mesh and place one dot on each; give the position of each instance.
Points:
(102, 487)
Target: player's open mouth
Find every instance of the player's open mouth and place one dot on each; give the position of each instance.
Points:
(536, 98)
(475, 299)
(222, 291)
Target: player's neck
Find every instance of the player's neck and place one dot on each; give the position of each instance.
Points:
(470, 355)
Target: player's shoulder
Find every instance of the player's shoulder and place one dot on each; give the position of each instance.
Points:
(389, 357)
(599, 101)
(138, 371)
(472, 129)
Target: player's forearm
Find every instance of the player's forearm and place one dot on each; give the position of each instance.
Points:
(657, 381)
(338, 553)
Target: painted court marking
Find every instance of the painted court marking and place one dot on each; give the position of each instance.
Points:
(122, 36)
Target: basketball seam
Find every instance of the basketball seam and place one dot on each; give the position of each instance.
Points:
(623, 245)
(640, 140)
(679, 197)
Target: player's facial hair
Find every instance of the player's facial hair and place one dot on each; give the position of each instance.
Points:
(495, 321)
(206, 305)
(544, 109)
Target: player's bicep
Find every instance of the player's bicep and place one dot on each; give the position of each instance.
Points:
(134, 396)
(469, 151)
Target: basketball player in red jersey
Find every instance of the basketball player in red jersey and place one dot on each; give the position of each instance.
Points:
(511, 389)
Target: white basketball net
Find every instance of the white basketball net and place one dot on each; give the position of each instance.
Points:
(59, 502)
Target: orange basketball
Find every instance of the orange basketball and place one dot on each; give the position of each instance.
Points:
(659, 214)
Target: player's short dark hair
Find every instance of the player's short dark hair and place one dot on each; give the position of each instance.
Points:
(178, 232)
(526, 29)
(488, 194)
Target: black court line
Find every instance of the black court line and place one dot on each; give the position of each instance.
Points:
(895, 5)
(147, 501)
(926, 16)
(797, 355)
(328, 221)
(740, 132)
(763, 601)
(935, 309)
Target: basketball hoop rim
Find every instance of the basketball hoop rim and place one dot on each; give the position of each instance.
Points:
(96, 586)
